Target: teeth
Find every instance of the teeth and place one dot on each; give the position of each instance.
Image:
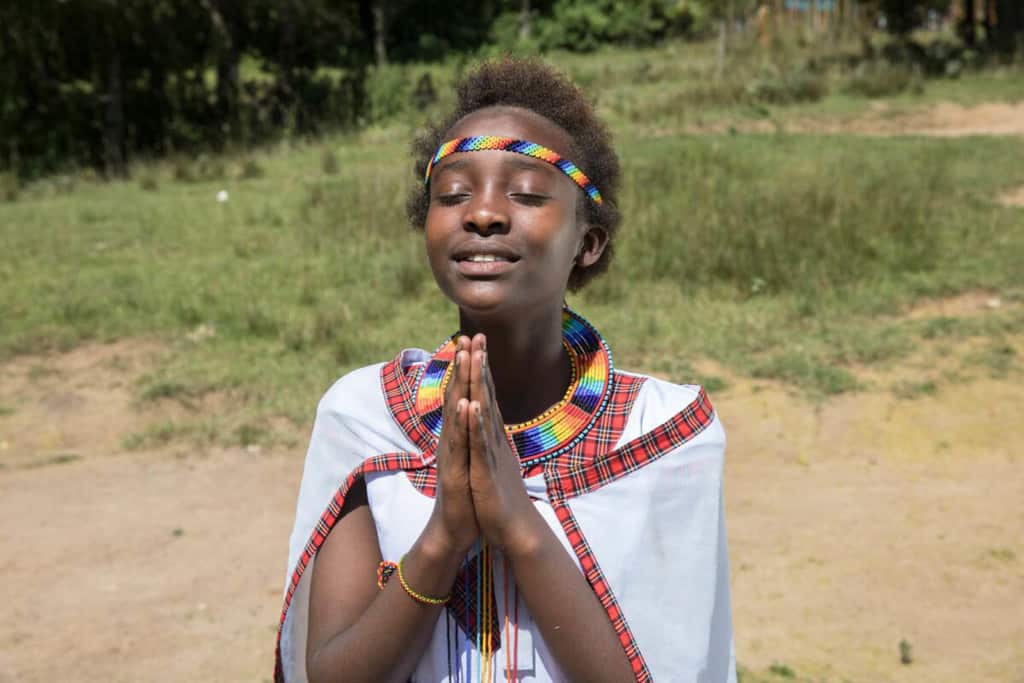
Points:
(484, 258)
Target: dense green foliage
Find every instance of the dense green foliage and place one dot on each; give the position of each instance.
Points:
(102, 82)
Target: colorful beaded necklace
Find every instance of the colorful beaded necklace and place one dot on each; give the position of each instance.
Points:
(557, 429)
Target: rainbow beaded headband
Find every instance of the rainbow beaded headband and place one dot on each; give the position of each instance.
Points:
(480, 143)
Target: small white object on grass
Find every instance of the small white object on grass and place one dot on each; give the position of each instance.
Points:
(222, 196)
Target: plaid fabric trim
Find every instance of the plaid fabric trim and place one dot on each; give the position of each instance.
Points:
(575, 478)
(463, 604)
(595, 577)
(387, 462)
(400, 394)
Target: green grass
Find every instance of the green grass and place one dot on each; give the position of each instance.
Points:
(779, 256)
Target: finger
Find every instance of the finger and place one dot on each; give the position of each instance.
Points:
(484, 395)
(476, 387)
(479, 443)
(459, 455)
(460, 395)
(453, 431)
(492, 412)
(449, 390)
(460, 374)
(485, 440)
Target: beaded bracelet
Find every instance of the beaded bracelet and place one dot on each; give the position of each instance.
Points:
(422, 599)
(384, 572)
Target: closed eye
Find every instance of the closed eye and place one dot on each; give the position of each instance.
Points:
(529, 199)
(452, 198)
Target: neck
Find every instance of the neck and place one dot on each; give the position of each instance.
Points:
(529, 365)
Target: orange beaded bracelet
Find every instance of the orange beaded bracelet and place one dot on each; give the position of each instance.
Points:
(384, 572)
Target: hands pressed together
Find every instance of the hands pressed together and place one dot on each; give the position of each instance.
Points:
(480, 491)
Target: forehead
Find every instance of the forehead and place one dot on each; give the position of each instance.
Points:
(515, 122)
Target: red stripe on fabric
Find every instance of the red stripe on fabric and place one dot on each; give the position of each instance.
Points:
(388, 462)
(571, 479)
(595, 577)
(400, 394)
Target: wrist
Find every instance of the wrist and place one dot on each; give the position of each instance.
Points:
(438, 546)
(526, 538)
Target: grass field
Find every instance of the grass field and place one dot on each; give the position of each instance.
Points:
(775, 256)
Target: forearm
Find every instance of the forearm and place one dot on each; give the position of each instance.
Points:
(387, 640)
(566, 610)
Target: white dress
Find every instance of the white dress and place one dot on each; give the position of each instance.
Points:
(627, 471)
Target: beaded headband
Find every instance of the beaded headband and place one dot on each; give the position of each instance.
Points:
(480, 143)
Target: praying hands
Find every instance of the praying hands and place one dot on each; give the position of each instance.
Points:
(480, 490)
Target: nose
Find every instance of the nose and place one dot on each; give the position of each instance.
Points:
(486, 214)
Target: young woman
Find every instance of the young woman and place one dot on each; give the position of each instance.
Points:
(511, 507)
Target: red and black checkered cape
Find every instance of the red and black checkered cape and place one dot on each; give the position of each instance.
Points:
(590, 465)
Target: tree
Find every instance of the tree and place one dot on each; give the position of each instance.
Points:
(1008, 29)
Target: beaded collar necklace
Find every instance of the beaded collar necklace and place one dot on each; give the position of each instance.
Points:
(558, 429)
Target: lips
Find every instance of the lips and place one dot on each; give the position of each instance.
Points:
(484, 260)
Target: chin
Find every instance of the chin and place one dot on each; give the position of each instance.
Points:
(484, 297)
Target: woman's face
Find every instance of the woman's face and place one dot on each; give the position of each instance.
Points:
(502, 230)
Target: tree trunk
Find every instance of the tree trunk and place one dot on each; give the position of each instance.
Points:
(113, 123)
(380, 29)
(524, 20)
(967, 27)
(227, 57)
(720, 62)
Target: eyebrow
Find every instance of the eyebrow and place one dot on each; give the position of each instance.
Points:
(518, 162)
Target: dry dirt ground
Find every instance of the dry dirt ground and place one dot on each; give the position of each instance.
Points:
(854, 524)
(946, 119)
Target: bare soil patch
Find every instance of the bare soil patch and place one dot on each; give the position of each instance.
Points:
(945, 119)
(966, 305)
(63, 406)
(853, 524)
(1013, 197)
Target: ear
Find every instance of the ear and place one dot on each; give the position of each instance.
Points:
(592, 245)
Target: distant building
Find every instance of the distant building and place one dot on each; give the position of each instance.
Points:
(809, 5)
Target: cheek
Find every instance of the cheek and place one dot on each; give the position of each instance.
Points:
(554, 240)
(433, 238)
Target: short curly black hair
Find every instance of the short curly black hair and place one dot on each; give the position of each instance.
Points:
(531, 84)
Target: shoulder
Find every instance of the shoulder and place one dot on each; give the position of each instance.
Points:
(664, 405)
(351, 392)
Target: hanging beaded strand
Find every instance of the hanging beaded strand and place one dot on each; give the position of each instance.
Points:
(505, 642)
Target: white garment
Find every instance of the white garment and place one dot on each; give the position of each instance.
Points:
(655, 528)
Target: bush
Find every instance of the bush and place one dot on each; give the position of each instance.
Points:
(881, 80)
(251, 170)
(329, 162)
(774, 86)
(9, 187)
(388, 94)
(585, 25)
